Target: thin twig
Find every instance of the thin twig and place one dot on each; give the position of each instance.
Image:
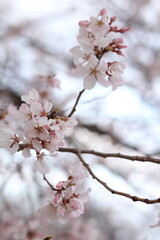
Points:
(115, 155)
(75, 105)
(51, 186)
(104, 184)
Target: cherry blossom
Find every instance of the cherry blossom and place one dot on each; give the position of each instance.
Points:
(32, 96)
(39, 130)
(9, 140)
(95, 42)
(100, 27)
(70, 196)
(94, 71)
(40, 164)
(79, 56)
(115, 71)
(78, 171)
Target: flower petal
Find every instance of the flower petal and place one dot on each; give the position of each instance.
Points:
(89, 82)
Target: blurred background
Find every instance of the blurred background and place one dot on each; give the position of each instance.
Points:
(35, 39)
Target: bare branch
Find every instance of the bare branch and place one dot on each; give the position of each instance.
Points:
(104, 184)
(75, 105)
(51, 186)
(115, 155)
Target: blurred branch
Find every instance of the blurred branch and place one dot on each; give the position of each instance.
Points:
(115, 138)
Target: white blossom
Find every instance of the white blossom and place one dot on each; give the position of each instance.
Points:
(95, 41)
(40, 165)
(32, 96)
(94, 71)
(68, 201)
(9, 140)
(116, 70)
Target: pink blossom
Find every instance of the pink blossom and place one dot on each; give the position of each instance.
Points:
(84, 23)
(32, 96)
(68, 201)
(49, 211)
(95, 42)
(79, 56)
(94, 71)
(103, 12)
(78, 171)
(75, 208)
(116, 70)
(36, 145)
(35, 108)
(56, 198)
(124, 29)
(53, 144)
(60, 184)
(40, 164)
(39, 130)
(60, 125)
(9, 140)
(30, 130)
(26, 152)
(86, 40)
(112, 19)
(99, 27)
(84, 196)
(24, 114)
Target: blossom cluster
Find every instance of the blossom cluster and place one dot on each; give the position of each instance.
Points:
(69, 198)
(95, 41)
(38, 130)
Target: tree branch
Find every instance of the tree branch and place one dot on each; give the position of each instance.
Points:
(75, 105)
(104, 184)
(51, 186)
(115, 155)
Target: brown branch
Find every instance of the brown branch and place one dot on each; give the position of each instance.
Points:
(115, 155)
(51, 186)
(75, 105)
(104, 184)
